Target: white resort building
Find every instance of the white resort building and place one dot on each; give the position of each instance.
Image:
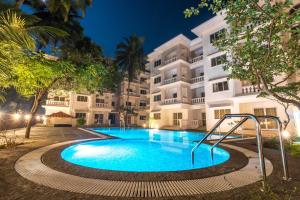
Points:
(187, 86)
(101, 109)
(190, 89)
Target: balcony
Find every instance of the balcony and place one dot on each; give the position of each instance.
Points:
(251, 89)
(198, 100)
(174, 101)
(102, 105)
(57, 103)
(196, 59)
(170, 80)
(170, 60)
(197, 79)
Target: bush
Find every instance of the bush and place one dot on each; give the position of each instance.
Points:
(295, 150)
(80, 122)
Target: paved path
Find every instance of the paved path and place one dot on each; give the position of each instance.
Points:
(30, 167)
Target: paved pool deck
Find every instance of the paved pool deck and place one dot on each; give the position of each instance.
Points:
(14, 186)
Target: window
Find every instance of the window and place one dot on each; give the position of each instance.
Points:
(157, 98)
(98, 118)
(143, 91)
(59, 98)
(82, 98)
(174, 95)
(266, 123)
(221, 86)
(143, 80)
(217, 35)
(142, 117)
(128, 103)
(99, 100)
(218, 60)
(176, 119)
(80, 115)
(157, 63)
(157, 80)
(221, 112)
(143, 104)
(129, 90)
(113, 104)
(156, 116)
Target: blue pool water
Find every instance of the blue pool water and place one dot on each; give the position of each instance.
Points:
(144, 150)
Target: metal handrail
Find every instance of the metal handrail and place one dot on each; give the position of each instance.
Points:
(258, 136)
(227, 134)
(279, 128)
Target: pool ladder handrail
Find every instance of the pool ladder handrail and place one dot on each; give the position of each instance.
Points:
(247, 116)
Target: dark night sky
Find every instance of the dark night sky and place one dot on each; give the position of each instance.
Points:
(108, 21)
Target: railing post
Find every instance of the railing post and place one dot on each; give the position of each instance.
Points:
(282, 149)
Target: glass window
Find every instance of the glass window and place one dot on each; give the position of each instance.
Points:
(99, 100)
(156, 116)
(80, 115)
(220, 86)
(142, 117)
(219, 113)
(218, 60)
(143, 91)
(217, 35)
(157, 80)
(98, 118)
(157, 63)
(157, 98)
(82, 98)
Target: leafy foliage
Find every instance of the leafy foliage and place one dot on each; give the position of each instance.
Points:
(263, 42)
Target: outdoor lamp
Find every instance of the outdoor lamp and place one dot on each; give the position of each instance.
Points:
(286, 134)
(17, 116)
(27, 116)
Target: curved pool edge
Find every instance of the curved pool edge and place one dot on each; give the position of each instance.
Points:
(42, 174)
(142, 156)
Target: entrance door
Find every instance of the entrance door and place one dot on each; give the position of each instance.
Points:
(203, 117)
(112, 118)
(176, 118)
(98, 118)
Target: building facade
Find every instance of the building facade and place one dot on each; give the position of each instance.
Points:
(104, 109)
(190, 89)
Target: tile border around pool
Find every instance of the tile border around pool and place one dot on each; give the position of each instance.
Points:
(52, 159)
(31, 167)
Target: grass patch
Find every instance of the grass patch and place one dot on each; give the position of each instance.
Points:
(273, 143)
(295, 150)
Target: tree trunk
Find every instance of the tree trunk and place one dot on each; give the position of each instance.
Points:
(126, 110)
(33, 111)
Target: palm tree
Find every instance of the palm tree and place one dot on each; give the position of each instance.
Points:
(18, 36)
(130, 58)
(61, 7)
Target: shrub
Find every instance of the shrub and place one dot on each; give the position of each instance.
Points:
(295, 150)
(80, 122)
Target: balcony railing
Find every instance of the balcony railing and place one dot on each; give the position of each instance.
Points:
(170, 80)
(102, 105)
(198, 100)
(57, 103)
(171, 101)
(197, 79)
(251, 89)
(170, 60)
(175, 100)
(196, 59)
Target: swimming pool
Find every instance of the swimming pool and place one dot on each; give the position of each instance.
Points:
(144, 150)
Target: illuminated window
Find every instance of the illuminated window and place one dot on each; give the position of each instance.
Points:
(219, 113)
